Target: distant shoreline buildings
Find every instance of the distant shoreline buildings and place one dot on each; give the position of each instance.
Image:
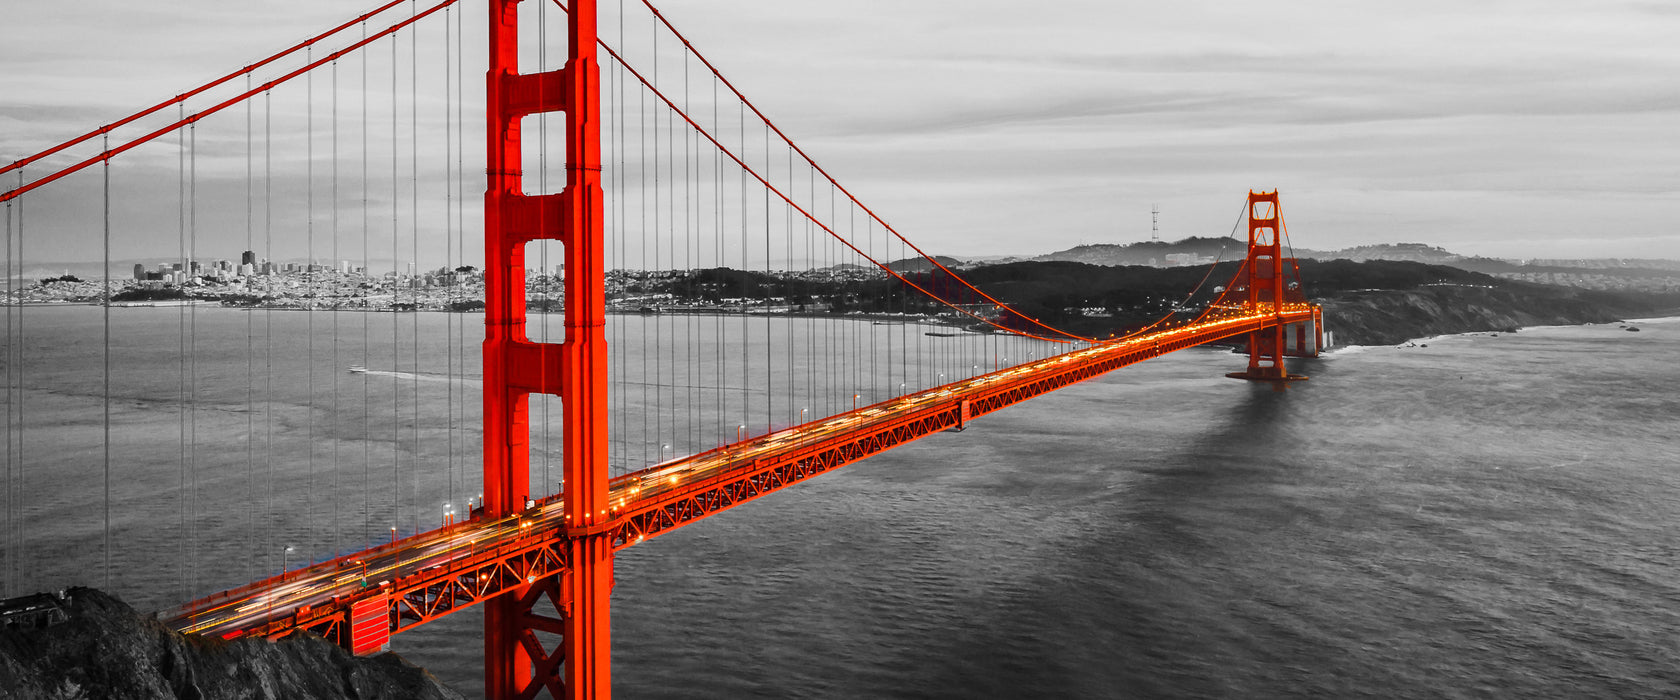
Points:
(261, 283)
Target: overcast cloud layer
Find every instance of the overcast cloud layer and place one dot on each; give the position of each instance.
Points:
(1514, 129)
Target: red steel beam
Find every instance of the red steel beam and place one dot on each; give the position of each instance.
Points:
(538, 552)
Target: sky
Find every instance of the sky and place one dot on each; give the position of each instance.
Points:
(1512, 129)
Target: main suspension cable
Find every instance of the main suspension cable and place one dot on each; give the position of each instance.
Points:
(183, 97)
(183, 119)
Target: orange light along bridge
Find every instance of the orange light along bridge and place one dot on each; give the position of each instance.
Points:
(517, 550)
(413, 581)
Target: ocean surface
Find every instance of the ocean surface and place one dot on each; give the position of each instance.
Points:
(1482, 515)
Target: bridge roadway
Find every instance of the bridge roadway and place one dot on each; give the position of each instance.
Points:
(414, 580)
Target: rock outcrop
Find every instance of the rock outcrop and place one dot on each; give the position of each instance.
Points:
(1391, 316)
(104, 649)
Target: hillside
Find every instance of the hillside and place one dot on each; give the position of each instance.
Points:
(1372, 302)
(1141, 253)
(1637, 275)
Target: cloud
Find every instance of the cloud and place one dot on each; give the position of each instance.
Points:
(970, 123)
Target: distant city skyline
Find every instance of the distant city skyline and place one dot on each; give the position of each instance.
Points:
(1539, 130)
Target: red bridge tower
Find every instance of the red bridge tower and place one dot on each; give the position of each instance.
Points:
(518, 662)
(1263, 273)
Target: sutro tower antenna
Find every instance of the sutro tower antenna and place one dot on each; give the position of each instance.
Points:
(1154, 222)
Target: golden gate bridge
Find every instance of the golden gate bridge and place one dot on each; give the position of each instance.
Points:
(667, 166)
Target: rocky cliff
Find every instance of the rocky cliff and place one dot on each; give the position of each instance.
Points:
(1388, 316)
(104, 649)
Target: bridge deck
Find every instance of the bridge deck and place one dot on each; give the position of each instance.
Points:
(435, 573)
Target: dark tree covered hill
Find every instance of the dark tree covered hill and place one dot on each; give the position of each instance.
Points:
(1372, 302)
(1369, 302)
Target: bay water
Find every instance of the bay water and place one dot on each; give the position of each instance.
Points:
(1481, 515)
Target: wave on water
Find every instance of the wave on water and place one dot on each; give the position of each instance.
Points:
(417, 376)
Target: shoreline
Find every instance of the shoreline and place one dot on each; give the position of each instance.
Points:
(1657, 319)
(1665, 316)
(1422, 340)
(884, 319)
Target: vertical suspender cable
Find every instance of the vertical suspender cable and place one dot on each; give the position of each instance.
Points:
(367, 344)
(652, 273)
(310, 290)
(746, 324)
(641, 155)
(770, 393)
(336, 277)
(691, 226)
(268, 311)
(671, 264)
(682, 419)
(456, 323)
(250, 352)
(717, 231)
(396, 379)
(830, 351)
(667, 348)
(787, 291)
(181, 350)
(810, 321)
(620, 143)
(414, 246)
(449, 267)
(11, 340)
(105, 145)
(22, 413)
(460, 224)
(874, 350)
(192, 349)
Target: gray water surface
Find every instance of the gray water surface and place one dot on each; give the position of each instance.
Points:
(1487, 516)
